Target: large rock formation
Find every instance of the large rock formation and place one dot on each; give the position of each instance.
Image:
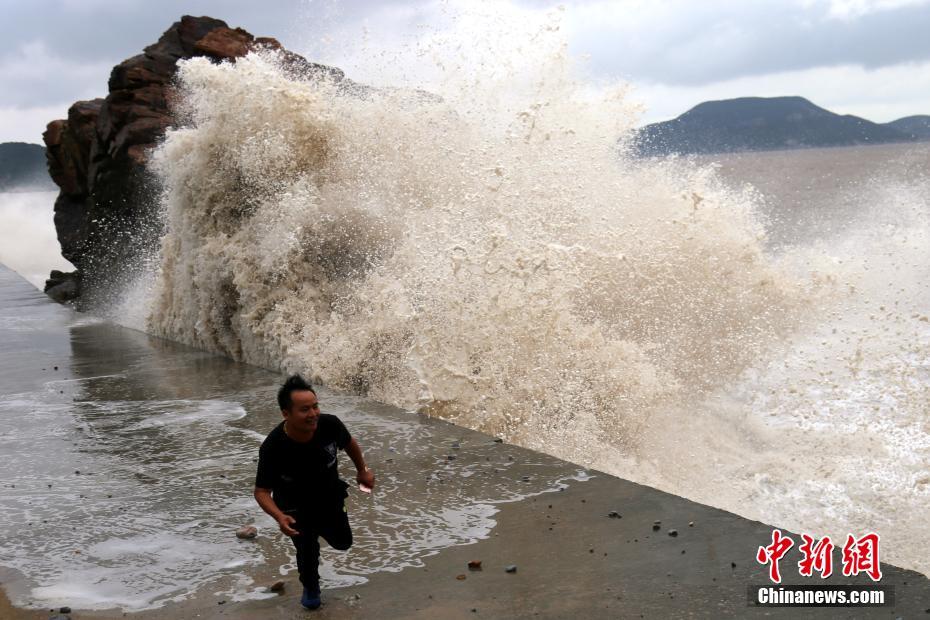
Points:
(105, 211)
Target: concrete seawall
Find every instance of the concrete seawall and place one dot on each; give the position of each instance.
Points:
(585, 547)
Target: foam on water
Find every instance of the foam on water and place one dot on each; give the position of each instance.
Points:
(133, 503)
(93, 508)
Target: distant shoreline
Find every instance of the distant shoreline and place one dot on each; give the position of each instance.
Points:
(770, 123)
(804, 149)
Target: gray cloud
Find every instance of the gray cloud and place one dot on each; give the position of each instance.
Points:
(56, 51)
(95, 30)
(59, 50)
(717, 41)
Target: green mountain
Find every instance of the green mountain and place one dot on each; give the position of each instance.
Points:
(762, 124)
(23, 168)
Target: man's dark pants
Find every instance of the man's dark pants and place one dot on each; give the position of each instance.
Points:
(329, 521)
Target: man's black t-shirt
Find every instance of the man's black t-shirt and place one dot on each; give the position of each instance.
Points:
(302, 475)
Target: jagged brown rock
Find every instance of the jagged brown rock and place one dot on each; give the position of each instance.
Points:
(105, 212)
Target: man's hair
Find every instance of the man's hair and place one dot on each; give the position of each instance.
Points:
(294, 382)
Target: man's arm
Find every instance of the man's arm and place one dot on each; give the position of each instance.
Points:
(285, 522)
(365, 475)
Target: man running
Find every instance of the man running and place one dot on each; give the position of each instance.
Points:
(298, 481)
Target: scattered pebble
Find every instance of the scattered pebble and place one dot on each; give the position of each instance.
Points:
(460, 577)
(455, 445)
(247, 532)
(525, 478)
(613, 514)
(511, 568)
(64, 610)
(498, 440)
(690, 523)
(277, 586)
(732, 564)
(474, 565)
(673, 533)
(451, 457)
(55, 367)
(221, 602)
(474, 610)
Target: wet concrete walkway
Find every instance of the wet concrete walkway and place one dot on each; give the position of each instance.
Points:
(587, 549)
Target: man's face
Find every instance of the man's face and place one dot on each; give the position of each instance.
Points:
(304, 412)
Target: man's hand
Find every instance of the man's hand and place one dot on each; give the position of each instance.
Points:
(366, 477)
(286, 523)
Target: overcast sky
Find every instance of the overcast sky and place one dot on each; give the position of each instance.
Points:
(865, 57)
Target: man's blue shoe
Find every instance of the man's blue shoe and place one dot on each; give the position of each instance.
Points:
(311, 598)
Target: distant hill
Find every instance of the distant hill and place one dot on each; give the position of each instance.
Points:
(22, 167)
(763, 124)
(917, 127)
